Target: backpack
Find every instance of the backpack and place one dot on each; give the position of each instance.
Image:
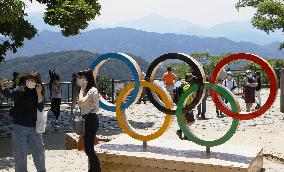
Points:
(178, 92)
(234, 85)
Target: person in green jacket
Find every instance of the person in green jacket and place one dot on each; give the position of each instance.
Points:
(189, 116)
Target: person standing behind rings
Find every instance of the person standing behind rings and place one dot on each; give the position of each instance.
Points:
(249, 89)
(202, 106)
(230, 83)
(28, 100)
(16, 77)
(55, 96)
(169, 79)
(89, 104)
(143, 95)
(189, 80)
(258, 90)
(218, 112)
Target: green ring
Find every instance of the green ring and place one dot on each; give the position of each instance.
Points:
(189, 134)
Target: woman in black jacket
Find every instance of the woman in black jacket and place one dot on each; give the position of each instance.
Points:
(28, 100)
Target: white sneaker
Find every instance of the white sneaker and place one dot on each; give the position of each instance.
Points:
(56, 124)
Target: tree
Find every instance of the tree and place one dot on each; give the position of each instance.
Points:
(208, 63)
(269, 15)
(70, 16)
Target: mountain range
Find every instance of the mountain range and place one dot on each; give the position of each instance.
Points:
(149, 45)
(235, 30)
(66, 63)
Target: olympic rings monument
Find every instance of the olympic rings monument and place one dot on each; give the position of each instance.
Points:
(139, 153)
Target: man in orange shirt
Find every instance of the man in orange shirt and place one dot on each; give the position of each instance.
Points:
(169, 79)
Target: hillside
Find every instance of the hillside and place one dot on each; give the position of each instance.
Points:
(234, 30)
(145, 44)
(66, 63)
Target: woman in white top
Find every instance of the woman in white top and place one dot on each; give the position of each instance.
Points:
(89, 104)
(230, 82)
(55, 88)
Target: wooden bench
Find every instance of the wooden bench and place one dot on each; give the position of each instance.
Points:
(74, 141)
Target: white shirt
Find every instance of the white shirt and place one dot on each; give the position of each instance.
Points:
(93, 104)
(229, 84)
(54, 94)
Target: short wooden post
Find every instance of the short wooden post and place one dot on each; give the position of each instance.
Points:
(73, 99)
(68, 93)
(112, 90)
(282, 91)
(144, 146)
(208, 152)
(238, 84)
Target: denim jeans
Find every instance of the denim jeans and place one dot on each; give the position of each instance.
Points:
(202, 106)
(25, 140)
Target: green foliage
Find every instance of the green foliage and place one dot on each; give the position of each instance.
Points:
(104, 84)
(269, 15)
(71, 16)
(67, 63)
(1, 96)
(180, 69)
(208, 63)
(13, 26)
(11, 10)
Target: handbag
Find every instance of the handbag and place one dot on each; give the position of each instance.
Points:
(79, 125)
(41, 121)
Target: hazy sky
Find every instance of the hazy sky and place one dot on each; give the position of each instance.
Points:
(202, 12)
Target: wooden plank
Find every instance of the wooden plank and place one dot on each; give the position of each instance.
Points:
(254, 167)
(179, 155)
(74, 141)
(117, 167)
(169, 165)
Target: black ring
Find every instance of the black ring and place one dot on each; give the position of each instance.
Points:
(197, 71)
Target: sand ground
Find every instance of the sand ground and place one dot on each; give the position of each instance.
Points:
(266, 131)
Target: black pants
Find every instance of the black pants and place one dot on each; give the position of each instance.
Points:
(91, 128)
(143, 97)
(189, 117)
(55, 107)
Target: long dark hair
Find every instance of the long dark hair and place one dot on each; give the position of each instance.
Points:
(88, 74)
(53, 77)
(36, 76)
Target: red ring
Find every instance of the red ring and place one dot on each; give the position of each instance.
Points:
(271, 76)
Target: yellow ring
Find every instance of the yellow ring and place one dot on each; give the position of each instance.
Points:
(121, 114)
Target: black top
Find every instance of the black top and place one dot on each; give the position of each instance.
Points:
(258, 80)
(248, 88)
(25, 106)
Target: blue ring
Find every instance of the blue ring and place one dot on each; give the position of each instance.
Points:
(132, 67)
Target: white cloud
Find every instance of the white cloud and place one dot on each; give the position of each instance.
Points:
(203, 12)
(33, 7)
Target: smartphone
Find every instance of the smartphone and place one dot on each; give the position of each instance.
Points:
(9, 84)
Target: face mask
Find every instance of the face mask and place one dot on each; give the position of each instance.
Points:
(79, 82)
(30, 84)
